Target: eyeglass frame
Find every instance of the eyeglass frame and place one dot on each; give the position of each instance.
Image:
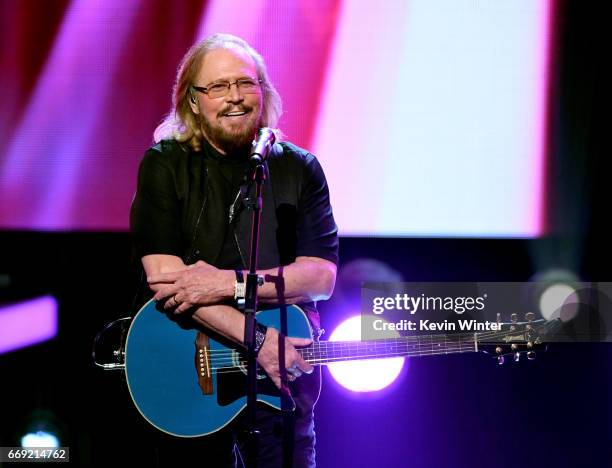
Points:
(205, 89)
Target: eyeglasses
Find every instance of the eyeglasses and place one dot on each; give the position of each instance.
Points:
(220, 89)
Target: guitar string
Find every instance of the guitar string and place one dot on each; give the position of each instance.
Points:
(467, 338)
(363, 352)
(312, 357)
(320, 359)
(235, 368)
(425, 339)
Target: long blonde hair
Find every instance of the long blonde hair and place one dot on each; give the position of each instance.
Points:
(181, 123)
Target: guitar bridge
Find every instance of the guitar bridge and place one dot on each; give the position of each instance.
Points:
(203, 364)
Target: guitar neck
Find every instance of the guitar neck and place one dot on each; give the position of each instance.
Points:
(324, 352)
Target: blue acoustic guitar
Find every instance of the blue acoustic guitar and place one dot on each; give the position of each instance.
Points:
(189, 385)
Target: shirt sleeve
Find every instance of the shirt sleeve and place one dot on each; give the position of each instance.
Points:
(317, 233)
(154, 217)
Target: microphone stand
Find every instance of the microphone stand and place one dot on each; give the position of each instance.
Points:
(253, 281)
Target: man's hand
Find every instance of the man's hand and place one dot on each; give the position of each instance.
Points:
(294, 363)
(199, 284)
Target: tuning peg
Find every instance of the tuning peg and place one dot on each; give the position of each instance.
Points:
(500, 358)
(514, 319)
(517, 356)
(531, 355)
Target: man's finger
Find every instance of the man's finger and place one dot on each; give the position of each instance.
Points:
(304, 367)
(299, 342)
(165, 277)
(277, 381)
(183, 307)
(165, 293)
(172, 303)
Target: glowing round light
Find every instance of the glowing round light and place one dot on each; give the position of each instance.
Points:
(40, 439)
(368, 375)
(559, 301)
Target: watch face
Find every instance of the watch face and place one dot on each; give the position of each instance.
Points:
(239, 290)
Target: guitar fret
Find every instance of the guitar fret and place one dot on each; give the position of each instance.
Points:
(322, 352)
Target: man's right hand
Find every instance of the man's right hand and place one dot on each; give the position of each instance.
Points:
(294, 363)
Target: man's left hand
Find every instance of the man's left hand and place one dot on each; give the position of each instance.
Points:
(199, 284)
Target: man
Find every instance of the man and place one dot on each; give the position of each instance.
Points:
(192, 231)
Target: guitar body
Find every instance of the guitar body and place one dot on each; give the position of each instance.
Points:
(163, 380)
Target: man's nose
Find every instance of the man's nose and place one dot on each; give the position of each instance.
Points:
(234, 94)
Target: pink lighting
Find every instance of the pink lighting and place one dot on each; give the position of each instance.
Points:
(27, 323)
(363, 375)
(64, 110)
(398, 100)
(454, 126)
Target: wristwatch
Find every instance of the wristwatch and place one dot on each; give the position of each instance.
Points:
(239, 289)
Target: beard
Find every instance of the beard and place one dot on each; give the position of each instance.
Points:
(232, 137)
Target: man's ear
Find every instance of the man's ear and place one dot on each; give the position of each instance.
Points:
(193, 103)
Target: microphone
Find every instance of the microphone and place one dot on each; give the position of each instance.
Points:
(262, 145)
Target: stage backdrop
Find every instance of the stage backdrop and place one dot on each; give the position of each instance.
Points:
(429, 117)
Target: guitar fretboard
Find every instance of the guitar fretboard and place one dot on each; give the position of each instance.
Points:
(324, 352)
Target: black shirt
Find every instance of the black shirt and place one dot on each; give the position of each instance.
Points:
(225, 175)
(183, 197)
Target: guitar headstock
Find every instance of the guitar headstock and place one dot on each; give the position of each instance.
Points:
(516, 338)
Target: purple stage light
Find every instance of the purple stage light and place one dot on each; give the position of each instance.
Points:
(369, 375)
(27, 323)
